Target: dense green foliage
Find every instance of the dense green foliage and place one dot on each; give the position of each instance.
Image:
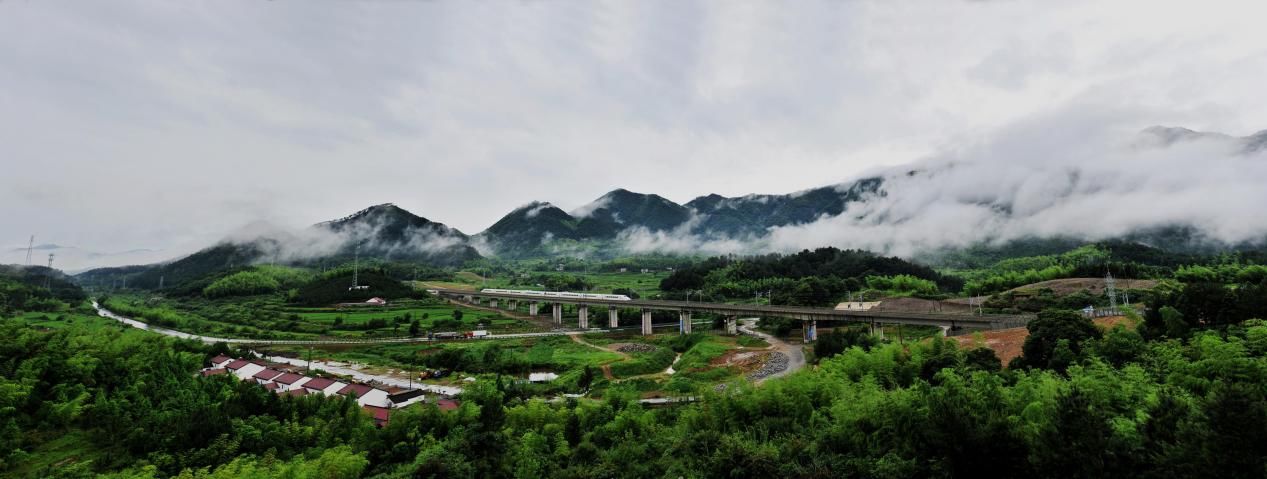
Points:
(819, 278)
(257, 280)
(36, 288)
(1155, 409)
(337, 289)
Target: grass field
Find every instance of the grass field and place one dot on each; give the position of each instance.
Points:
(269, 317)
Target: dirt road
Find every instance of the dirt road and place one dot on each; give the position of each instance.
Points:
(795, 355)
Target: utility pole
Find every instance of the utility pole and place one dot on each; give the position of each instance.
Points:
(1112, 292)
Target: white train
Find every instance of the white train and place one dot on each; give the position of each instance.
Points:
(557, 294)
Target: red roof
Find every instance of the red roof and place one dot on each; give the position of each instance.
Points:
(267, 374)
(297, 392)
(447, 404)
(270, 386)
(379, 413)
(220, 359)
(318, 384)
(288, 378)
(213, 372)
(237, 364)
(360, 389)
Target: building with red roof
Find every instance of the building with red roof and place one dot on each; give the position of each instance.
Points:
(318, 384)
(220, 360)
(447, 404)
(266, 376)
(380, 414)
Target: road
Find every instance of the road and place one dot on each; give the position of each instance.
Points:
(795, 355)
(105, 313)
(955, 321)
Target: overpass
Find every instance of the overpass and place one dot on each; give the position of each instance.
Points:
(810, 316)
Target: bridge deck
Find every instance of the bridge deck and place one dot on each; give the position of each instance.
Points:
(794, 312)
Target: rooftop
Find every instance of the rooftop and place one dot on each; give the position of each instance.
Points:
(319, 383)
(360, 389)
(267, 374)
(288, 378)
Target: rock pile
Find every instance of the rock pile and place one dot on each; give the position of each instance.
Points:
(636, 348)
(776, 363)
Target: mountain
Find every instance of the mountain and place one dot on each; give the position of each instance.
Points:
(1154, 136)
(530, 230)
(619, 209)
(382, 232)
(754, 214)
(390, 232)
(541, 229)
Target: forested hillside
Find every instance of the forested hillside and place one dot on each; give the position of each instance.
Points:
(816, 278)
(130, 405)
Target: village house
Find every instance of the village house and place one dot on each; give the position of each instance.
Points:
(266, 376)
(289, 381)
(243, 369)
(273, 378)
(366, 395)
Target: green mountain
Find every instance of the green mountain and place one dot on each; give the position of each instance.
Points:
(754, 214)
(390, 232)
(383, 232)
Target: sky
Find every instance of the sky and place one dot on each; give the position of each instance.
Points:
(139, 131)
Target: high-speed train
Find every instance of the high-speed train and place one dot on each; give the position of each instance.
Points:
(557, 294)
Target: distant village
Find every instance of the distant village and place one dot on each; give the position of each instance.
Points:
(376, 400)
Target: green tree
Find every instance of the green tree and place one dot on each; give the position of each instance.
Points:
(1051, 326)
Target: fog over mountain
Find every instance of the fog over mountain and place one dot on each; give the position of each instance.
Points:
(1032, 181)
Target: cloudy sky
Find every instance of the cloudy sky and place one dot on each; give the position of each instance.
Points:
(165, 126)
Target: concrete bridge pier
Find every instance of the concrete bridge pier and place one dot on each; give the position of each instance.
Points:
(613, 317)
(513, 305)
(810, 330)
(469, 298)
(684, 322)
(492, 303)
(877, 330)
(532, 308)
(945, 331)
(646, 322)
(732, 325)
(558, 314)
(583, 316)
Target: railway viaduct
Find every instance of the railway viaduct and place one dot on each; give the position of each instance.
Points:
(810, 316)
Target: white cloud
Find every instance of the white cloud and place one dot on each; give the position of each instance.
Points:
(159, 125)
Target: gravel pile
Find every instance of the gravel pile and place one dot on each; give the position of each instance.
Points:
(776, 363)
(636, 348)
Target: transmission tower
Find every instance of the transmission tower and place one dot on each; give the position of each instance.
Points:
(1111, 291)
(48, 281)
(29, 246)
(356, 267)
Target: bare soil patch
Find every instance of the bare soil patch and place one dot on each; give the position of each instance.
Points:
(1007, 343)
(917, 305)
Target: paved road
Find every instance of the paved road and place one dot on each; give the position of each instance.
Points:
(795, 355)
(103, 312)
